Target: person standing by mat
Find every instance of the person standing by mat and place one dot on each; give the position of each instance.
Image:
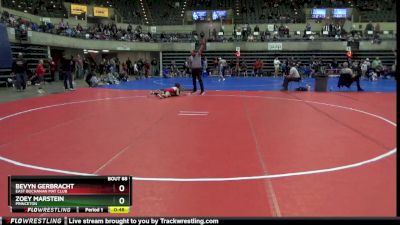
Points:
(66, 67)
(222, 68)
(19, 68)
(39, 75)
(293, 76)
(195, 65)
(53, 68)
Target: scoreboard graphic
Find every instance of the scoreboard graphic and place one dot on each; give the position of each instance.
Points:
(70, 194)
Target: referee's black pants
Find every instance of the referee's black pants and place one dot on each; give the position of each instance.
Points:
(196, 74)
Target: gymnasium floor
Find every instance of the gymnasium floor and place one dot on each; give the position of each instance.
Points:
(231, 152)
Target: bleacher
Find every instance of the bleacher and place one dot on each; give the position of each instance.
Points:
(54, 8)
(376, 10)
(386, 57)
(130, 11)
(32, 54)
(157, 7)
(210, 5)
(256, 11)
(166, 12)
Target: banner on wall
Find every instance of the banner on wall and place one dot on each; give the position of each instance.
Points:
(5, 47)
(100, 11)
(275, 46)
(78, 9)
(45, 19)
(123, 48)
(270, 27)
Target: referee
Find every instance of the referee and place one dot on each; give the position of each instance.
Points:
(195, 65)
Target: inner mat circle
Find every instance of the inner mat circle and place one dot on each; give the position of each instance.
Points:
(148, 138)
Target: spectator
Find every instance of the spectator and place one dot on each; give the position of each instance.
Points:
(281, 30)
(328, 27)
(39, 75)
(205, 66)
(19, 68)
(347, 77)
(154, 67)
(369, 27)
(61, 26)
(91, 79)
(285, 67)
(136, 69)
(308, 27)
(258, 67)
(243, 68)
(214, 34)
(365, 67)
(307, 30)
(222, 68)
(293, 76)
(53, 68)
(140, 66)
(248, 29)
(86, 66)
(79, 28)
(129, 66)
(377, 66)
(146, 66)
(334, 64)
(174, 71)
(78, 67)
(286, 31)
(262, 16)
(102, 67)
(186, 67)
(277, 64)
(67, 69)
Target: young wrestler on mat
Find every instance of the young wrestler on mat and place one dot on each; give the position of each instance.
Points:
(168, 92)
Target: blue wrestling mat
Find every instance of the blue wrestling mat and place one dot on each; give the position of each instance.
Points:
(251, 84)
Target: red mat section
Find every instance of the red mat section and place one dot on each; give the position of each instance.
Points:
(244, 134)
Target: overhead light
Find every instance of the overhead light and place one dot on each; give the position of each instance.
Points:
(105, 50)
(93, 51)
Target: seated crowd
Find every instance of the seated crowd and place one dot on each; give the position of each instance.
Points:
(136, 33)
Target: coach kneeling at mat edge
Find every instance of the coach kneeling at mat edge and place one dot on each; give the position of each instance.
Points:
(293, 76)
